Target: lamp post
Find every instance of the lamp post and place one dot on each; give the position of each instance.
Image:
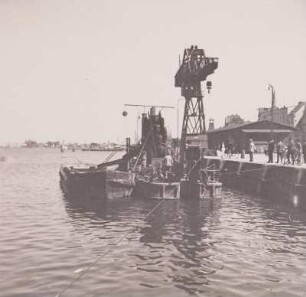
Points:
(177, 117)
(137, 135)
(270, 87)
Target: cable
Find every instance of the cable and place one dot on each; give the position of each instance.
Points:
(105, 253)
(193, 166)
(78, 160)
(238, 173)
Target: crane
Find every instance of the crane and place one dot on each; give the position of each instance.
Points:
(194, 69)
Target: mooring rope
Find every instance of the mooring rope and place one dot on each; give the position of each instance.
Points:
(238, 173)
(106, 159)
(109, 157)
(141, 151)
(105, 253)
(79, 161)
(224, 173)
(193, 166)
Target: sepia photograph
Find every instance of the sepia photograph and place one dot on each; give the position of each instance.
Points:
(152, 148)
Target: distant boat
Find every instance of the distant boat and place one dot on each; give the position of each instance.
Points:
(63, 148)
(103, 149)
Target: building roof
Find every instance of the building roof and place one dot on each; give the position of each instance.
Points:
(300, 105)
(257, 125)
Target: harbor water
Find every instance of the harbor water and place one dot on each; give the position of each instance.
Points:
(236, 245)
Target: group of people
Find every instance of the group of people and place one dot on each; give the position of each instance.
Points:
(160, 171)
(227, 149)
(292, 152)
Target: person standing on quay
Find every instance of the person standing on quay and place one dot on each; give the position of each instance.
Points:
(291, 152)
(304, 151)
(168, 162)
(222, 150)
(271, 151)
(252, 149)
(299, 153)
(280, 150)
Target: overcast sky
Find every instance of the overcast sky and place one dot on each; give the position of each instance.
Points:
(67, 67)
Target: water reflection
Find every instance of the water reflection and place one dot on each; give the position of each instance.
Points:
(95, 208)
(239, 245)
(176, 221)
(195, 246)
(185, 225)
(175, 236)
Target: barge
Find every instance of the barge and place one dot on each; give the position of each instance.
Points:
(157, 189)
(97, 183)
(156, 168)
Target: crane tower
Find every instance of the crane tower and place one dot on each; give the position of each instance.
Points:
(194, 68)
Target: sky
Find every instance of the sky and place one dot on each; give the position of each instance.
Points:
(68, 67)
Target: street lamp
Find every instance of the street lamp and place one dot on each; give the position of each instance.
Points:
(177, 117)
(137, 135)
(270, 87)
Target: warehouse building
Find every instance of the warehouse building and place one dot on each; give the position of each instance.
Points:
(238, 136)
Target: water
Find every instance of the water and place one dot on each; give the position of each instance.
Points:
(237, 245)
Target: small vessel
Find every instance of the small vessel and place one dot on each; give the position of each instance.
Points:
(154, 178)
(159, 176)
(149, 169)
(205, 185)
(212, 183)
(157, 189)
(95, 182)
(107, 180)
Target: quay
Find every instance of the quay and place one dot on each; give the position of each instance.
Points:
(270, 180)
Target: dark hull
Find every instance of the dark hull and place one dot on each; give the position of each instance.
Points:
(91, 182)
(157, 190)
(199, 190)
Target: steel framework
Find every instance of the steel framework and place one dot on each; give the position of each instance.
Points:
(194, 68)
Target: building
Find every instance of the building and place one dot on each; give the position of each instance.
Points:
(211, 125)
(280, 115)
(283, 115)
(301, 127)
(238, 136)
(233, 120)
(296, 114)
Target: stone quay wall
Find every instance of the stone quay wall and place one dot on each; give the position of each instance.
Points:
(268, 180)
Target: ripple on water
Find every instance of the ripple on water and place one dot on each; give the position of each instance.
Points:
(238, 245)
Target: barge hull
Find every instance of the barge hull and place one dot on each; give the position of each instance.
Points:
(104, 184)
(157, 190)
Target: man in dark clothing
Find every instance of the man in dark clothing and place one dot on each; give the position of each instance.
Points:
(230, 149)
(280, 149)
(291, 152)
(299, 153)
(271, 151)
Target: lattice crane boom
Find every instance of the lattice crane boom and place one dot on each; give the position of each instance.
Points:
(194, 69)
